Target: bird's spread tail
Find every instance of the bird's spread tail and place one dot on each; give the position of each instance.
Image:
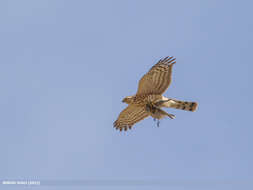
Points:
(182, 105)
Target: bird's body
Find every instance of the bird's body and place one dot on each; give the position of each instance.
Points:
(149, 100)
(143, 99)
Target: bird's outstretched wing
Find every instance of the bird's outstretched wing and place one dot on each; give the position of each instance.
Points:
(158, 78)
(129, 116)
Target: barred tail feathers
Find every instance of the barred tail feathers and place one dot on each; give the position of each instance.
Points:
(182, 105)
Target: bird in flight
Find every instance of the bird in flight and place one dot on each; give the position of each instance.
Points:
(149, 100)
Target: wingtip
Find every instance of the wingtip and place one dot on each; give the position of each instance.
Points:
(117, 126)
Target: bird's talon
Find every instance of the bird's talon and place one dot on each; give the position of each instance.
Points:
(158, 123)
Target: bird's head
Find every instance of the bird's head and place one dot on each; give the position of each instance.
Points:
(128, 99)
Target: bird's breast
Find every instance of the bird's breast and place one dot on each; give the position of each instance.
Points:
(145, 99)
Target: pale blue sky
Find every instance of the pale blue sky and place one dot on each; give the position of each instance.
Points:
(65, 66)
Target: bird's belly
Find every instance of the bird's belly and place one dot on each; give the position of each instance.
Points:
(154, 111)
